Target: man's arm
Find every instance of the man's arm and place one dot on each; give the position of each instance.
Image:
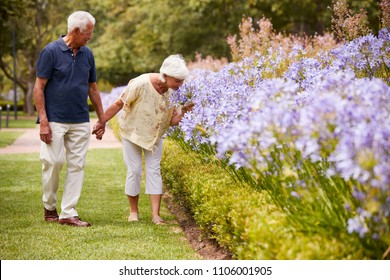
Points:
(94, 96)
(39, 100)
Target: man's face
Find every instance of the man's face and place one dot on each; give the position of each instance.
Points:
(84, 37)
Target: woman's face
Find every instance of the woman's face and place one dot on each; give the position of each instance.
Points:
(173, 83)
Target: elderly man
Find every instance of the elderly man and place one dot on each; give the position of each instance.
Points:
(66, 77)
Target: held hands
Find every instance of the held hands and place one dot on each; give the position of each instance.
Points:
(100, 126)
(98, 129)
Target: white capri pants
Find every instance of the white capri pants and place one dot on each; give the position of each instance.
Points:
(70, 141)
(132, 155)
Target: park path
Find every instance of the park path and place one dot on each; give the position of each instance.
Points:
(29, 141)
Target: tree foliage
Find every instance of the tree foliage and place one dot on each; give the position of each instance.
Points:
(134, 36)
(140, 34)
(34, 22)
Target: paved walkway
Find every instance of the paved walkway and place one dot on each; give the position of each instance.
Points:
(29, 141)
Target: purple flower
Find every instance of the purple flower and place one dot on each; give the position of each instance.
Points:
(357, 224)
(295, 194)
(328, 109)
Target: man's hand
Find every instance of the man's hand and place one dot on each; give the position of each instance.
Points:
(45, 132)
(99, 129)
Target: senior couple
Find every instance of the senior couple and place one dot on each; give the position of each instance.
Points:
(65, 78)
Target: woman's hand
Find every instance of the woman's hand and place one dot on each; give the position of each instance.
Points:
(178, 114)
(187, 107)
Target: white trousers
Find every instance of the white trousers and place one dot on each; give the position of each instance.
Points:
(70, 141)
(132, 155)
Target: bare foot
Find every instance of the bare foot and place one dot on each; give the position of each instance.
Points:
(158, 221)
(133, 217)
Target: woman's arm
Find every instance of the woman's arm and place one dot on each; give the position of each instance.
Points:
(113, 110)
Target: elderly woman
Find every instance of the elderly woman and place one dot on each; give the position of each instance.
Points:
(146, 116)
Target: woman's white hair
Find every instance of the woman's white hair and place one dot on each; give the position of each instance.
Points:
(80, 20)
(174, 66)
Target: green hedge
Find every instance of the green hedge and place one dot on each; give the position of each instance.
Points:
(244, 220)
(4, 103)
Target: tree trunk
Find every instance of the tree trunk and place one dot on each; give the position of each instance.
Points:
(28, 100)
(30, 109)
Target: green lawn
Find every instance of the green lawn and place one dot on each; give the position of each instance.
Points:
(22, 121)
(24, 234)
(8, 137)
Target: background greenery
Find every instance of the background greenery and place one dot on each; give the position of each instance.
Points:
(134, 36)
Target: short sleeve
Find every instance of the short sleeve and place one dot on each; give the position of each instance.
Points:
(129, 95)
(92, 71)
(44, 68)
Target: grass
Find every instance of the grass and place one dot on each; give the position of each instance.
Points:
(26, 236)
(22, 121)
(8, 137)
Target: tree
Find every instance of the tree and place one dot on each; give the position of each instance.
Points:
(36, 22)
(134, 36)
(8, 10)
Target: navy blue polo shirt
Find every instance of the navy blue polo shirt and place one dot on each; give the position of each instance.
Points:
(66, 91)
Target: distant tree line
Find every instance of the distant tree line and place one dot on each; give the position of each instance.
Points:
(134, 36)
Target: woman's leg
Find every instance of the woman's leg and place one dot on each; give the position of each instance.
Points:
(155, 201)
(132, 155)
(154, 180)
(133, 202)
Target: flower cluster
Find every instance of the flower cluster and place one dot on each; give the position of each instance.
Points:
(312, 128)
(328, 109)
(109, 98)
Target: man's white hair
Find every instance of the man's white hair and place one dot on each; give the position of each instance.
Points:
(80, 20)
(174, 66)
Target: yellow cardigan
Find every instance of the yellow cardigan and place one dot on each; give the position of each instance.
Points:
(146, 113)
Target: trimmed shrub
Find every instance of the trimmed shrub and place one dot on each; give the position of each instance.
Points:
(243, 220)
